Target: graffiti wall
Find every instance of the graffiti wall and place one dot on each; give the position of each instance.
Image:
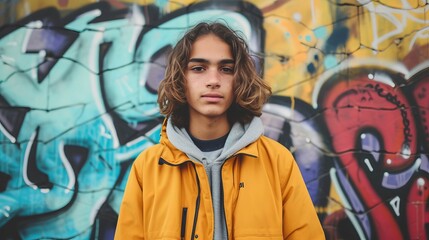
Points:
(78, 88)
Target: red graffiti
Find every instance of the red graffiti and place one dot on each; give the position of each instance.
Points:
(63, 3)
(417, 214)
(420, 93)
(354, 107)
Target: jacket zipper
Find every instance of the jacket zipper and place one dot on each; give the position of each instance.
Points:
(223, 198)
(197, 202)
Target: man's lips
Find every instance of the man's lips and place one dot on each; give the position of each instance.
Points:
(212, 97)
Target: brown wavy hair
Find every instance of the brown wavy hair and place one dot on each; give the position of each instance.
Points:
(250, 91)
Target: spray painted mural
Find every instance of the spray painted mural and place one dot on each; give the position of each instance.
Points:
(78, 85)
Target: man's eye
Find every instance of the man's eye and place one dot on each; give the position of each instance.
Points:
(227, 69)
(197, 69)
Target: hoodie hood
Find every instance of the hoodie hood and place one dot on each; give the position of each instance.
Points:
(239, 137)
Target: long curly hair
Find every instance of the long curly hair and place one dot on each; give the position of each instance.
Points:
(250, 91)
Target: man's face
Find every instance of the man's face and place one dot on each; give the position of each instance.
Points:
(209, 79)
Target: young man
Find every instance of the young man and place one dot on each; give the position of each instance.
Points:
(213, 175)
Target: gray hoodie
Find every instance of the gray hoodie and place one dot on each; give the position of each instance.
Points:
(239, 137)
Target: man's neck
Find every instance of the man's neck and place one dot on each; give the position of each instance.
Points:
(209, 129)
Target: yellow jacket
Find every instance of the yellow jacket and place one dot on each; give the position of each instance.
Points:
(168, 196)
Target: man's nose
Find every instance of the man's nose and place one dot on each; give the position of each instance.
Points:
(213, 78)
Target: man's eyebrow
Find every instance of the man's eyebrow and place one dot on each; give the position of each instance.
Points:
(227, 61)
(202, 60)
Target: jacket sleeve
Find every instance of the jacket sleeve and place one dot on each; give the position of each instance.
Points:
(130, 222)
(300, 220)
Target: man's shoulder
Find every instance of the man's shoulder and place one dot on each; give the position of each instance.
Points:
(151, 153)
(269, 142)
(273, 148)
